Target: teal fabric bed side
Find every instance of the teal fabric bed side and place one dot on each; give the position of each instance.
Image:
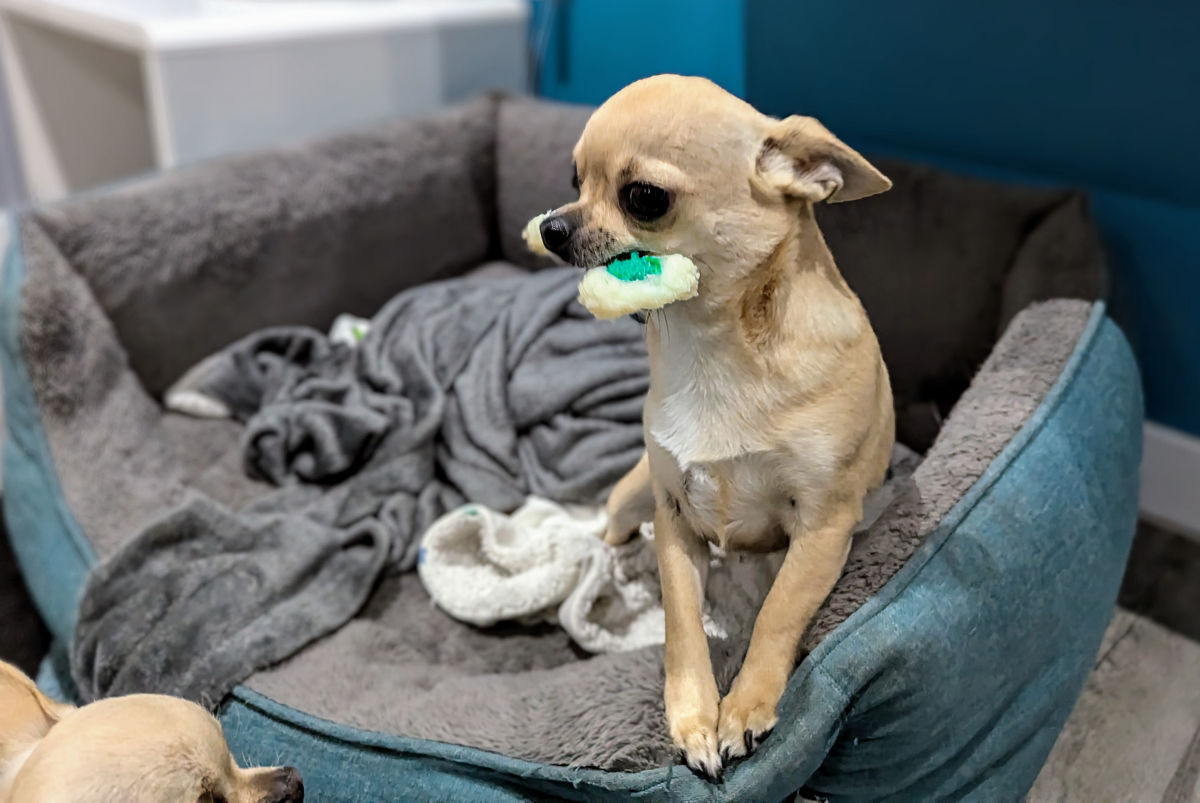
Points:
(53, 553)
(962, 682)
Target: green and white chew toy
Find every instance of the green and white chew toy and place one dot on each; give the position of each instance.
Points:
(638, 282)
(629, 284)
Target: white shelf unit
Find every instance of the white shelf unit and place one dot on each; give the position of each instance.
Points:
(104, 89)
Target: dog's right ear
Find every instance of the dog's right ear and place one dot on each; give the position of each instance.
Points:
(800, 158)
(28, 714)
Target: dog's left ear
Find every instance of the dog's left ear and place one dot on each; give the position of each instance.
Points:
(800, 159)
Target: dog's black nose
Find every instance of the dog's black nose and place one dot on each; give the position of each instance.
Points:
(288, 786)
(556, 231)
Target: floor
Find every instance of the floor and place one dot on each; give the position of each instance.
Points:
(1134, 736)
(1162, 580)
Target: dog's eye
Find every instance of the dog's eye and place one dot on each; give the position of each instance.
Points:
(575, 177)
(644, 202)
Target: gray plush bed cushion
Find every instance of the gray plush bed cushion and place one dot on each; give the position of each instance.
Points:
(188, 262)
(125, 290)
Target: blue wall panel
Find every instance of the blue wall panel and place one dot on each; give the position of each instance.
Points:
(1099, 92)
(1155, 247)
(1103, 94)
(595, 47)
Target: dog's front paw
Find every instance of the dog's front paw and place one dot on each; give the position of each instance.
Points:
(747, 717)
(696, 738)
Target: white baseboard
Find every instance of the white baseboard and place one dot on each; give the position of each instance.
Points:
(1171, 479)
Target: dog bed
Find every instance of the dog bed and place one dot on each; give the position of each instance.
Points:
(944, 662)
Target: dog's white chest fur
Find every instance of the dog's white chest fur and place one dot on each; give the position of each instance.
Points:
(697, 407)
(704, 421)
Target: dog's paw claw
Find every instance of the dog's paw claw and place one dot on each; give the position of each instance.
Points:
(698, 746)
(704, 767)
(708, 773)
(743, 727)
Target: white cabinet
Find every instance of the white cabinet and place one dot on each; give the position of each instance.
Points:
(103, 89)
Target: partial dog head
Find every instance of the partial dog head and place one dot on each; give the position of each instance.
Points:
(137, 749)
(678, 165)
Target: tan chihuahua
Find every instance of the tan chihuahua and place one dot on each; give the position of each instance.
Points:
(769, 414)
(143, 748)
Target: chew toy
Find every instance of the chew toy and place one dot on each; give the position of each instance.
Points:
(638, 282)
(629, 283)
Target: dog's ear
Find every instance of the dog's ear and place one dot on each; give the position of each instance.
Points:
(799, 158)
(28, 714)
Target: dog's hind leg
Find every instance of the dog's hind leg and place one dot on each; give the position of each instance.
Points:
(813, 564)
(630, 504)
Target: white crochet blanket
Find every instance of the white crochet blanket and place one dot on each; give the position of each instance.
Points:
(547, 562)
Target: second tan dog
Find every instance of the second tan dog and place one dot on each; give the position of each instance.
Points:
(144, 748)
(769, 415)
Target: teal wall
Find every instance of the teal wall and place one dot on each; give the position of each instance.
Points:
(1100, 94)
(595, 47)
(1103, 94)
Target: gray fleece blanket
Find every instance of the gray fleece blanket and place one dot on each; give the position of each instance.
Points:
(462, 390)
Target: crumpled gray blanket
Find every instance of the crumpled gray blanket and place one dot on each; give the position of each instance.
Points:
(487, 391)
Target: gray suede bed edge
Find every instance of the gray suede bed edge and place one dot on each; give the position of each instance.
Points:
(978, 292)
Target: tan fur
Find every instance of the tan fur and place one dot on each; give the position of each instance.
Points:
(137, 749)
(769, 415)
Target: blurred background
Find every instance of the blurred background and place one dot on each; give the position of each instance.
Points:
(1096, 94)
